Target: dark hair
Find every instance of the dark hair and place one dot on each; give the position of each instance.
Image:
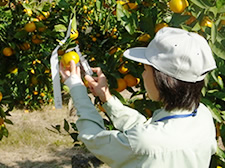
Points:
(177, 94)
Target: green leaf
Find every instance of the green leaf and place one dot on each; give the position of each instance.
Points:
(213, 33)
(8, 121)
(222, 131)
(66, 126)
(2, 113)
(221, 154)
(214, 111)
(74, 136)
(57, 127)
(60, 28)
(218, 49)
(220, 4)
(20, 34)
(200, 3)
(118, 95)
(127, 19)
(178, 19)
(5, 131)
(98, 4)
(74, 20)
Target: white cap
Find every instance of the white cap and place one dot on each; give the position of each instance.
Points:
(178, 53)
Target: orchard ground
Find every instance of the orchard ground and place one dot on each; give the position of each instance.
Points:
(32, 141)
(32, 144)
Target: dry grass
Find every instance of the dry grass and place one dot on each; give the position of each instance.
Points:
(31, 144)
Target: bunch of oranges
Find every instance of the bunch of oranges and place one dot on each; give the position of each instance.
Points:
(127, 81)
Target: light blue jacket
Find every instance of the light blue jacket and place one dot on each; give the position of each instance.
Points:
(140, 143)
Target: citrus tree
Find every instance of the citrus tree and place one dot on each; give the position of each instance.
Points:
(30, 30)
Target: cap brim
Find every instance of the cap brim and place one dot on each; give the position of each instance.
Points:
(137, 54)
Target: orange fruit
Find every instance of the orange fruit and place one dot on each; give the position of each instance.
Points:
(132, 5)
(30, 27)
(148, 112)
(121, 85)
(35, 92)
(178, 6)
(123, 69)
(130, 80)
(74, 34)
(42, 95)
(112, 50)
(144, 37)
(43, 15)
(160, 26)
(85, 7)
(7, 51)
(25, 46)
(13, 70)
(36, 39)
(42, 29)
(67, 57)
(60, 52)
(206, 22)
(1, 96)
(94, 39)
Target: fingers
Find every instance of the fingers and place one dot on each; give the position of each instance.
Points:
(98, 71)
(61, 70)
(91, 81)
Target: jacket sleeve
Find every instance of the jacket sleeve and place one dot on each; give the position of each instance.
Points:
(106, 145)
(122, 116)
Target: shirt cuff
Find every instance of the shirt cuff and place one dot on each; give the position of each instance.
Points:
(72, 81)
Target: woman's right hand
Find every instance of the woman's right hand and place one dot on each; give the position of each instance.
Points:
(99, 85)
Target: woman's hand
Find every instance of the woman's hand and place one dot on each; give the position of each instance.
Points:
(71, 71)
(99, 85)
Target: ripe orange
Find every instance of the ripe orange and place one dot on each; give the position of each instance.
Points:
(13, 70)
(25, 46)
(74, 34)
(1, 96)
(72, 55)
(113, 50)
(35, 92)
(160, 26)
(123, 69)
(42, 29)
(132, 5)
(43, 15)
(206, 22)
(30, 27)
(7, 51)
(130, 80)
(178, 6)
(144, 38)
(94, 39)
(36, 39)
(42, 95)
(121, 85)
